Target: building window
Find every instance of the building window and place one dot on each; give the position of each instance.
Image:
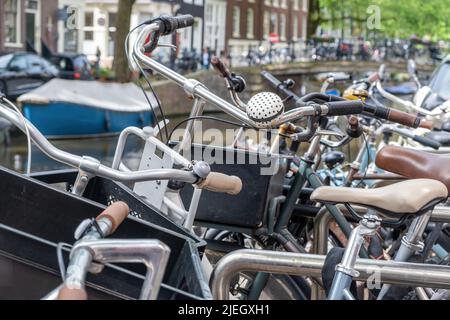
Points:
(268, 3)
(236, 22)
(304, 28)
(89, 19)
(266, 27)
(89, 35)
(274, 23)
(296, 4)
(276, 3)
(250, 23)
(284, 3)
(283, 27)
(305, 5)
(89, 26)
(295, 28)
(12, 22)
(112, 21)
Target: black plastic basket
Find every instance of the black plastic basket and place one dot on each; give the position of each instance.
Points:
(248, 209)
(35, 217)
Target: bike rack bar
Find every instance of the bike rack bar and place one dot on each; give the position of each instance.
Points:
(309, 265)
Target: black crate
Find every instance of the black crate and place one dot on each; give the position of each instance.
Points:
(248, 209)
(35, 217)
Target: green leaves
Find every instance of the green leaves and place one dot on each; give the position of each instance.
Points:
(399, 18)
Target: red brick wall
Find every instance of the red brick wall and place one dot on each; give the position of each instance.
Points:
(48, 8)
(259, 8)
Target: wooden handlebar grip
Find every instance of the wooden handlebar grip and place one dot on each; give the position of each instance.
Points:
(220, 67)
(116, 213)
(218, 182)
(67, 294)
(404, 118)
(426, 124)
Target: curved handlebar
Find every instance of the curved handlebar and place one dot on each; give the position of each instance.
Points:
(170, 24)
(218, 182)
(220, 67)
(72, 294)
(92, 165)
(393, 115)
(116, 214)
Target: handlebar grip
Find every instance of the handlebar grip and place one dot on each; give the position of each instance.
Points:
(344, 108)
(374, 77)
(116, 214)
(218, 182)
(404, 118)
(220, 67)
(274, 82)
(342, 77)
(424, 124)
(170, 24)
(427, 142)
(67, 294)
(393, 115)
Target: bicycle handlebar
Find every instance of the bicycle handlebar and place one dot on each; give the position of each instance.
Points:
(344, 108)
(220, 67)
(72, 294)
(279, 86)
(170, 24)
(218, 182)
(393, 115)
(116, 214)
(93, 166)
(108, 222)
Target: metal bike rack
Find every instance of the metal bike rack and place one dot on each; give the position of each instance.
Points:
(309, 265)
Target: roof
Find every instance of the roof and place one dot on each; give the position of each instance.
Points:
(110, 96)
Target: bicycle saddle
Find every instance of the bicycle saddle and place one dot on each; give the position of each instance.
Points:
(415, 164)
(412, 197)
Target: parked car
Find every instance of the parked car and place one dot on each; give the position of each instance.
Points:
(23, 72)
(73, 66)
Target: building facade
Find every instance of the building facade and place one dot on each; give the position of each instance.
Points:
(99, 24)
(265, 23)
(28, 25)
(215, 25)
(191, 38)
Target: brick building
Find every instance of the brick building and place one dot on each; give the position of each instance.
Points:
(28, 25)
(250, 23)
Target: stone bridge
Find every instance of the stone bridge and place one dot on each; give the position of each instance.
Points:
(176, 103)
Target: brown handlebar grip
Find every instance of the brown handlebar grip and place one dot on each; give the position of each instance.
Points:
(353, 122)
(116, 213)
(424, 124)
(67, 294)
(404, 118)
(374, 77)
(218, 182)
(220, 67)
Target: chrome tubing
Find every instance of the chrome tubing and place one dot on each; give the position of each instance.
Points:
(407, 104)
(152, 253)
(91, 165)
(308, 265)
(198, 90)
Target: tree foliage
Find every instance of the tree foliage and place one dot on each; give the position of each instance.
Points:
(399, 18)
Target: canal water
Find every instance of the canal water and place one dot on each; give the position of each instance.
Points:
(14, 156)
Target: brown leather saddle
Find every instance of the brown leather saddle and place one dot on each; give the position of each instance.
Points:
(415, 164)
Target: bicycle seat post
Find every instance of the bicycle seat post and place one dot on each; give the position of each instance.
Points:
(345, 271)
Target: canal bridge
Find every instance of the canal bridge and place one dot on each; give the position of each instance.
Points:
(175, 102)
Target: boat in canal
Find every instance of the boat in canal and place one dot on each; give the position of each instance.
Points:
(73, 109)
